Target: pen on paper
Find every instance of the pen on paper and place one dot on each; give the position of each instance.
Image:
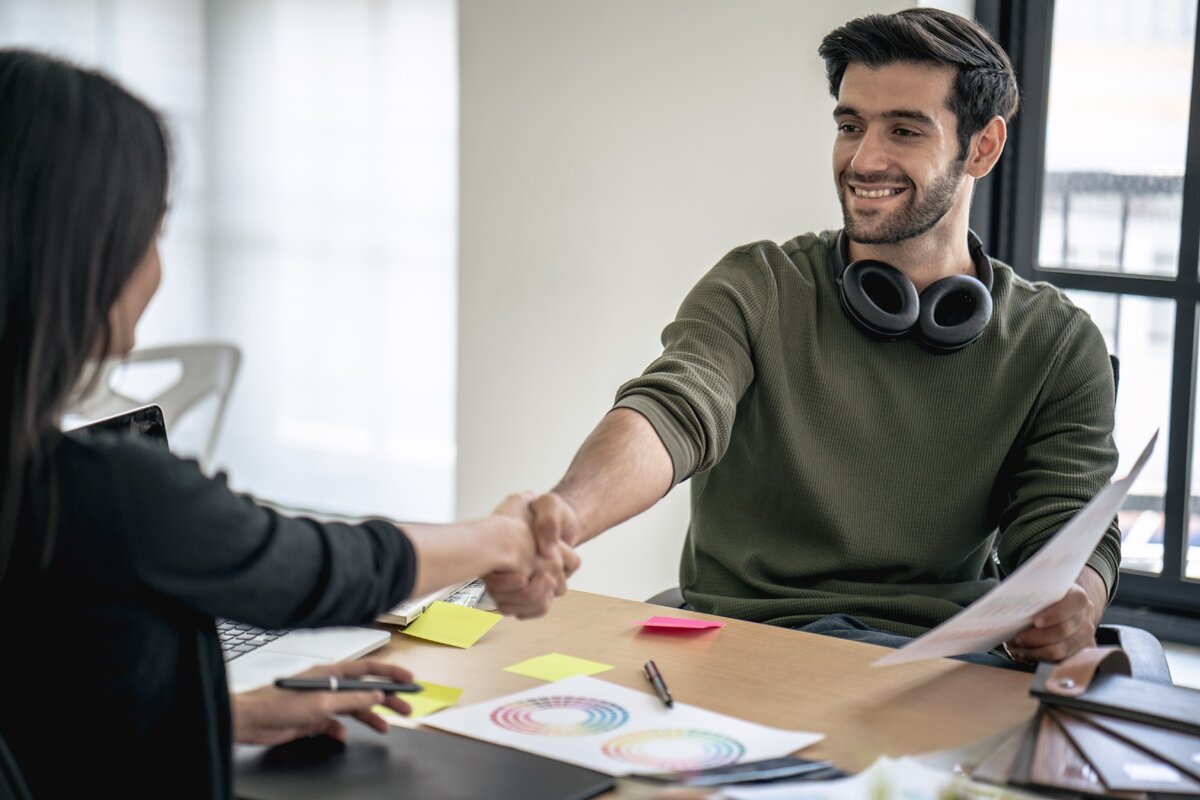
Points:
(656, 680)
(332, 684)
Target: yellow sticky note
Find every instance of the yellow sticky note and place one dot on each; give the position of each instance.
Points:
(434, 698)
(452, 624)
(556, 666)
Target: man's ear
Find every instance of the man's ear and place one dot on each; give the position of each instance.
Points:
(986, 147)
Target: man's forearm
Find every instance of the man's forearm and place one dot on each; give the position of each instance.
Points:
(621, 470)
(1091, 582)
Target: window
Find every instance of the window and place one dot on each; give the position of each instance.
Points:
(313, 223)
(1100, 194)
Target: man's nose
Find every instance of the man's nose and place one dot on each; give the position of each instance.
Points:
(872, 154)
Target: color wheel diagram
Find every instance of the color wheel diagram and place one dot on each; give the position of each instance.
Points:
(560, 716)
(666, 749)
(675, 749)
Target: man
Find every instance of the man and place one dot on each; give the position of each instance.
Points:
(843, 483)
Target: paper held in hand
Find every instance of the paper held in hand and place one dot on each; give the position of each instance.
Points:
(1039, 582)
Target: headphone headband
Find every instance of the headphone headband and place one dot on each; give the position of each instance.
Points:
(979, 257)
(948, 315)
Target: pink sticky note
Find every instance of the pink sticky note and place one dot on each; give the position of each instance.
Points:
(678, 623)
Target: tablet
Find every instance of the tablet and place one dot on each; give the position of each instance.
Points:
(406, 763)
(146, 421)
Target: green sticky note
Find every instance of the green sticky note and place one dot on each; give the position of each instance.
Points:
(434, 698)
(556, 666)
(452, 624)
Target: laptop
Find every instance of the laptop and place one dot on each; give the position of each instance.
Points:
(254, 657)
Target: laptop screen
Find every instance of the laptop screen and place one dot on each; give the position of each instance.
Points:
(145, 421)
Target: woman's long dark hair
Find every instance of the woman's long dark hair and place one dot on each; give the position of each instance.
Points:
(83, 185)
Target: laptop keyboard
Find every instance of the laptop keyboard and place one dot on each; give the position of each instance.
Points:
(237, 638)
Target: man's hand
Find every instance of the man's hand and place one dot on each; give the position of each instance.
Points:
(273, 716)
(622, 469)
(1066, 627)
(554, 520)
(544, 563)
(528, 595)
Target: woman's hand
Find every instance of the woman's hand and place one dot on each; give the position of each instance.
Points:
(273, 716)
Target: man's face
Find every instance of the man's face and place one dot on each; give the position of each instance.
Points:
(896, 157)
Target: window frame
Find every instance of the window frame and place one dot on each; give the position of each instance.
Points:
(1007, 214)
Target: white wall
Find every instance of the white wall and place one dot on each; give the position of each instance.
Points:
(611, 153)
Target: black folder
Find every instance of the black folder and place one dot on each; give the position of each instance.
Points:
(1172, 707)
(405, 763)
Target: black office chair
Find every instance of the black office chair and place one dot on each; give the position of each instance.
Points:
(12, 785)
(1146, 655)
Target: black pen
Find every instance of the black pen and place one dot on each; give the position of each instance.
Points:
(344, 685)
(660, 686)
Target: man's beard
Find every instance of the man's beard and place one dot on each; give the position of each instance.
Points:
(912, 218)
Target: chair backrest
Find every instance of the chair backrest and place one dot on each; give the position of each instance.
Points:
(207, 369)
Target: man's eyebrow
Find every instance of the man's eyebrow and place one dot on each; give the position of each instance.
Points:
(911, 114)
(897, 113)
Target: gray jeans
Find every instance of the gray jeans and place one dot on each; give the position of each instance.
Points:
(844, 626)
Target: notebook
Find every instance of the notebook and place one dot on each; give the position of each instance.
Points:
(406, 762)
(254, 657)
(462, 594)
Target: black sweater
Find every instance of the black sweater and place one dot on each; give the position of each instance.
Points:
(111, 675)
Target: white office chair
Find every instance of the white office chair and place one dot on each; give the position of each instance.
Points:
(205, 369)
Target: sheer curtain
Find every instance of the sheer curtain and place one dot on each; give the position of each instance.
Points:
(313, 223)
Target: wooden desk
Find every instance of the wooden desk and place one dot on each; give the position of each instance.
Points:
(757, 672)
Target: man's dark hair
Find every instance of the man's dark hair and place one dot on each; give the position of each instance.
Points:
(984, 87)
(84, 171)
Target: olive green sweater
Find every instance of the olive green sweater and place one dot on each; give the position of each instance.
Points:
(832, 473)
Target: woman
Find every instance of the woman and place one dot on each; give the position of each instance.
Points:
(131, 549)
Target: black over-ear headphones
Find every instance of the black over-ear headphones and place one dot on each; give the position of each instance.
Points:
(946, 317)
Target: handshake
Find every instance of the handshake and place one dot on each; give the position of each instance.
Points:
(540, 533)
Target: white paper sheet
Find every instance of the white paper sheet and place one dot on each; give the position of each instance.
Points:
(619, 731)
(1039, 582)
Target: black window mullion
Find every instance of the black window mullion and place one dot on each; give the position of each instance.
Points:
(1000, 213)
(1119, 283)
(1177, 500)
(1031, 129)
(1137, 589)
(1189, 233)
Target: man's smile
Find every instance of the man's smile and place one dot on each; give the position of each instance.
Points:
(875, 193)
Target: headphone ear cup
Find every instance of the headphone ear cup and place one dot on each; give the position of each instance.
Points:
(954, 312)
(879, 298)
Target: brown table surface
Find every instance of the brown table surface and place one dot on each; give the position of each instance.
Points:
(768, 675)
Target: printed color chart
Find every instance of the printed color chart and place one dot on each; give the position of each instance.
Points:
(619, 731)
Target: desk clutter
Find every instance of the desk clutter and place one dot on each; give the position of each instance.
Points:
(564, 738)
(1100, 733)
(573, 737)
